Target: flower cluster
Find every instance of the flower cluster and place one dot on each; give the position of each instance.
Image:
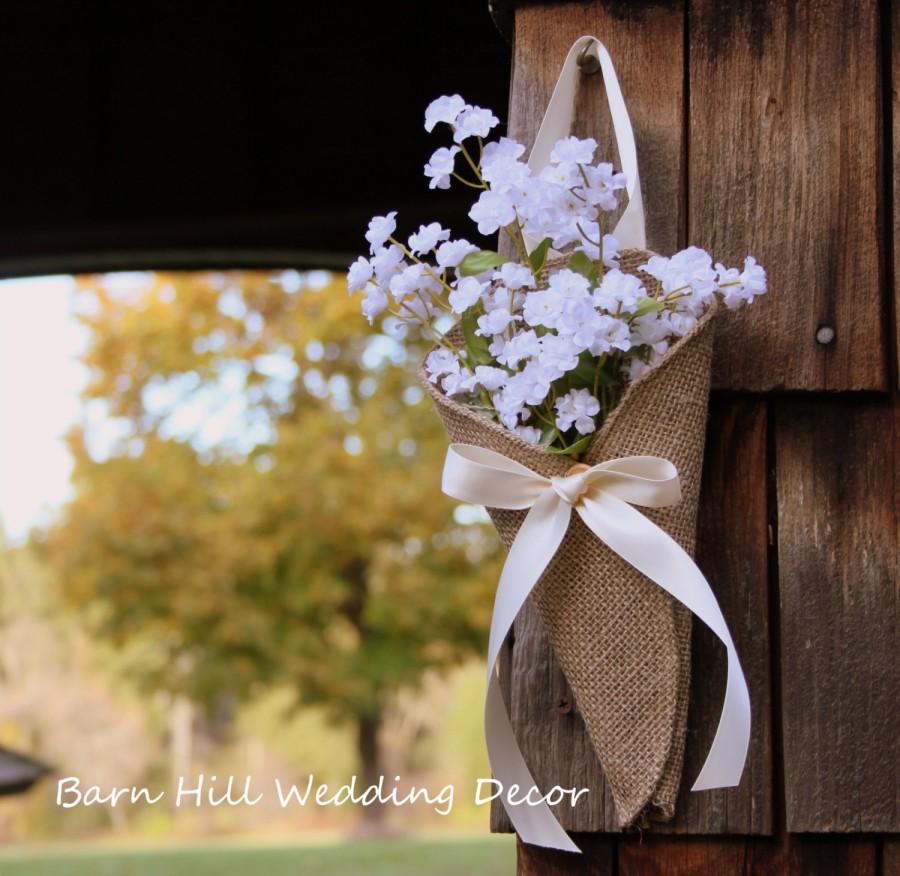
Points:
(546, 342)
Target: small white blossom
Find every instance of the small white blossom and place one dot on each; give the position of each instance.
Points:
(492, 211)
(528, 433)
(443, 109)
(427, 238)
(457, 382)
(374, 302)
(514, 276)
(753, 279)
(618, 291)
(380, 229)
(500, 165)
(466, 292)
(495, 321)
(386, 262)
(452, 252)
(524, 345)
(440, 362)
(358, 274)
(473, 121)
(440, 166)
(574, 151)
(490, 378)
(577, 407)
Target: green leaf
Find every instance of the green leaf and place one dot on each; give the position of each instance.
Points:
(582, 376)
(476, 345)
(538, 255)
(647, 305)
(476, 262)
(575, 449)
(581, 264)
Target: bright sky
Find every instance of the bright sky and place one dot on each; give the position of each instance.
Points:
(40, 378)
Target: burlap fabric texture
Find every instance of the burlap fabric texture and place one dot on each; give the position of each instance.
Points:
(623, 643)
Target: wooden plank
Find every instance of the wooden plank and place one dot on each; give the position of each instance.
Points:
(788, 856)
(646, 43)
(732, 551)
(838, 568)
(598, 858)
(892, 10)
(890, 857)
(733, 532)
(784, 152)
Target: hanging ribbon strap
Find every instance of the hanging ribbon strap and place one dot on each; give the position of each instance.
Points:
(603, 497)
(630, 231)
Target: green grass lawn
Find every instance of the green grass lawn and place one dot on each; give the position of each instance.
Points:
(481, 856)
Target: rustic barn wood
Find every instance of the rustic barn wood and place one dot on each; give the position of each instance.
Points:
(762, 127)
(598, 860)
(650, 65)
(784, 146)
(837, 557)
(788, 856)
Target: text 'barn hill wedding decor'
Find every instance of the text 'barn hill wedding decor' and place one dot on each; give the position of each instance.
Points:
(574, 378)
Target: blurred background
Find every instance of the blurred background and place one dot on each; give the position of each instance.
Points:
(224, 548)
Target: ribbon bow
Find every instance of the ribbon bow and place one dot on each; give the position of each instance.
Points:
(603, 496)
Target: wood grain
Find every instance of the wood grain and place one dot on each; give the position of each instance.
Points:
(838, 542)
(787, 856)
(890, 857)
(598, 858)
(732, 551)
(784, 152)
(646, 43)
(892, 10)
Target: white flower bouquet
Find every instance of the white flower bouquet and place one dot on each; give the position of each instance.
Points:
(577, 346)
(547, 346)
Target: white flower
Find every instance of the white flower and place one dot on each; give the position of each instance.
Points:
(574, 151)
(753, 279)
(466, 292)
(618, 291)
(451, 253)
(440, 166)
(500, 165)
(636, 369)
(441, 362)
(409, 281)
(380, 229)
(569, 284)
(427, 238)
(559, 355)
(577, 406)
(490, 378)
(543, 308)
(457, 382)
(492, 211)
(514, 276)
(473, 121)
(524, 345)
(495, 321)
(602, 185)
(443, 109)
(610, 251)
(358, 274)
(387, 262)
(611, 334)
(528, 433)
(374, 302)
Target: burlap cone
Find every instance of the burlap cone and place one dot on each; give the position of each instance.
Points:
(623, 643)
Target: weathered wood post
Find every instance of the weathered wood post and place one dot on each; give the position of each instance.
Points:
(767, 126)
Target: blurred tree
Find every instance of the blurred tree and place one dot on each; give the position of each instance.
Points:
(257, 496)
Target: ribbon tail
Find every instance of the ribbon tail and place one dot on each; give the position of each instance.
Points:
(657, 555)
(533, 548)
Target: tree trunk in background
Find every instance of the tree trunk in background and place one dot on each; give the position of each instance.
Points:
(368, 749)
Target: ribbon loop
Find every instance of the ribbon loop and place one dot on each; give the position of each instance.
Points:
(603, 496)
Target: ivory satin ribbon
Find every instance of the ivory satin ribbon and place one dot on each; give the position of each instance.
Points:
(602, 496)
(557, 123)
